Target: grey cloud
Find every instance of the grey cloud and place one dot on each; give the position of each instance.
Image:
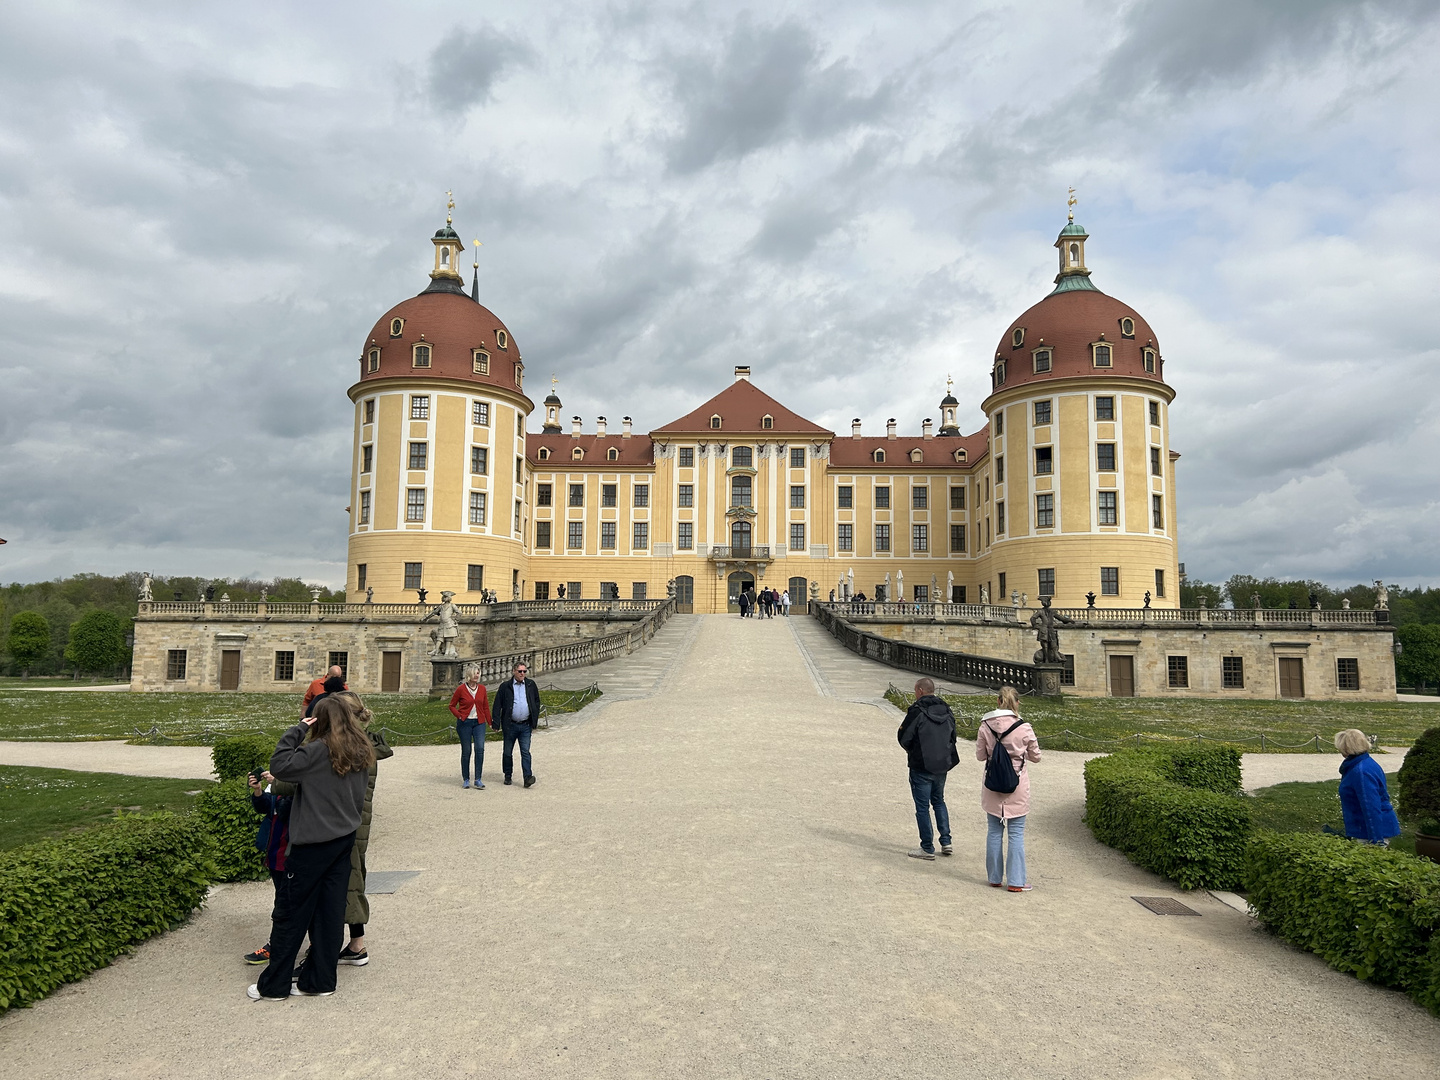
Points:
(466, 65)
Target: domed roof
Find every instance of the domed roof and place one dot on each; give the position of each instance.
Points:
(949, 399)
(1068, 324)
(454, 326)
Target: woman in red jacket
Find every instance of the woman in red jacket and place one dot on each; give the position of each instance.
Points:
(471, 706)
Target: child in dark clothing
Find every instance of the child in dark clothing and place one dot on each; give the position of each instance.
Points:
(272, 798)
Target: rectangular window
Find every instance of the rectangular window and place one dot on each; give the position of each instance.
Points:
(1067, 671)
(1105, 456)
(1154, 461)
(1044, 460)
(642, 494)
(797, 457)
(1159, 582)
(686, 496)
(519, 468)
(419, 455)
(640, 535)
(922, 594)
(797, 536)
(479, 461)
(542, 536)
(740, 489)
(797, 496)
(519, 506)
(1107, 508)
(845, 538)
(999, 519)
(573, 590)
(1104, 408)
(577, 494)
(543, 494)
(687, 457)
(1002, 587)
(1102, 356)
(284, 666)
(882, 537)
(367, 458)
(607, 494)
(1042, 361)
(474, 578)
(957, 538)
(1157, 511)
(422, 356)
(1178, 668)
(882, 498)
(685, 536)
(175, 664)
(477, 507)
(920, 498)
(480, 414)
(575, 537)
(1045, 511)
(742, 457)
(342, 661)
(607, 536)
(845, 497)
(1042, 413)
(609, 590)
(542, 590)
(919, 537)
(420, 407)
(1347, 673)
(1047, 581)
(481, 362)
(639, 590)
(1000, 470)
(414, 504)
(1109, 581)
(957, 498)
(1155, 413)
(1232, 672)
(360, 575)
(999, 423)
(364, 508)
(412, 575)
(370, 411)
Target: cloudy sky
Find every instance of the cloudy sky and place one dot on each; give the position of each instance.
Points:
(203, 209)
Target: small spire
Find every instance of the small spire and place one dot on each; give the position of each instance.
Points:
(949, 385)
(1071, 202)
(449, 206)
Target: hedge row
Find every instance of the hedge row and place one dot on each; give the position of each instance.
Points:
(71, 905)
(1172, 810)
(1363, 908)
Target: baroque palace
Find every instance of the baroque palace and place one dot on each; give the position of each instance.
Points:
(1068, 490)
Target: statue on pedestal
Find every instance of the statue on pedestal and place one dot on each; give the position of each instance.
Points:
(984, 594)
(1382, 597)
(443, 640)
(1046, 623)
(369, 594)
(145, 587)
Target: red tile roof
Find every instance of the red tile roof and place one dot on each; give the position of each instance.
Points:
(847, 452)
(636, 450)
(741, 407)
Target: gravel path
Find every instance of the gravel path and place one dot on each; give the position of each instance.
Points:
(711, 882)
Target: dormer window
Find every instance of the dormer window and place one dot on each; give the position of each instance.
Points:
(544, 453)
(482, 362)
(502, 339)
(373, 360)
(1127, 327)
(767, 422)
(519, 375)
(1102, 355)
(917, 455)
(577, 454)
(715, 423)
(421, 356)
(1000, 373)
(1149, 355)
(879, 457)
(612, 454)
(1017, 337)
(396, 325)
(960, 456)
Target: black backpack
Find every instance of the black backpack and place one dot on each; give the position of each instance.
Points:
(1000, 774)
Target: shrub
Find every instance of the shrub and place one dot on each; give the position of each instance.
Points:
(226, 813)
(1417, 785)
(97, 642)
(236, 756)
(29, 638)
(1175, 811)
(1364, 909)
(71, 905)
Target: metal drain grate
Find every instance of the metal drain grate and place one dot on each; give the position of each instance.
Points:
(387, 881)
(1164, 905)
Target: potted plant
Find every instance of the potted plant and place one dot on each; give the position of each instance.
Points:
(1417, 786)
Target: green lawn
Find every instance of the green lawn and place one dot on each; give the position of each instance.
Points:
(1073, 723)
(37, 682)
(199, 718)
(1308, 807)
(40, 803)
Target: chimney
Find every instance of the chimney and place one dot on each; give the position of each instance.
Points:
(855, 428)
(625, 428)
(575, 427)
(600, 426)
(742, 374)
(925, 428)
(890, 428)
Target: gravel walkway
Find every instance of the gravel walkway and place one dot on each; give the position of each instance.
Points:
(711, 882)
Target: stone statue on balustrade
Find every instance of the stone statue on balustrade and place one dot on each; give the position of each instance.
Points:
(145, 587)
(1046, 623)
(442, 642)
(984, 594)
(1382, 597)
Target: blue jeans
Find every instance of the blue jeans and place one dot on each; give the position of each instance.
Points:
(471, 731)
(514, 733)
(1013, 863)
(928, 789)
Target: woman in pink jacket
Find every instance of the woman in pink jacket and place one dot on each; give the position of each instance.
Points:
(1007, 812)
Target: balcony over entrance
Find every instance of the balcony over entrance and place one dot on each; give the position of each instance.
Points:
(741, 552)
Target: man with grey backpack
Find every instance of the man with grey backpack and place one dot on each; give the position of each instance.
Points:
(928, 736)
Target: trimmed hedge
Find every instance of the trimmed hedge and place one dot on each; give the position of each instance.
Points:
(1417, 784)
(1176, 811)
(1364, 909)
(234, 757)
(226, 813)
(71, 905)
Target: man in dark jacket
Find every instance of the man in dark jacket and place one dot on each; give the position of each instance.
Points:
(516, 712)
(928, 735)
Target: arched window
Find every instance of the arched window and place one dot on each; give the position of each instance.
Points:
(396, 325)
(612, 454)
(444, 256)
(1074, 254)
(544, 453)
(742, 457)
(960, 456)
(917, 455)
(879, 457)
(422, 356)
(715, 422)
(577, 454)
(1102, 356)
(1000, 373)
(1042, 361)
(767, 422)
(374, 360)
(482, 362)
(1149, 355)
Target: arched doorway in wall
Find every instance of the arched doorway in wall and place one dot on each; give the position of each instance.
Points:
(684, 594)
(738, 582)
(799, 589)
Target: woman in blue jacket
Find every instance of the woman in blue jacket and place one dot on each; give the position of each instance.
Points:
(1364, 799)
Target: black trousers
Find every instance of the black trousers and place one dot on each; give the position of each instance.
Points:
(310, 898)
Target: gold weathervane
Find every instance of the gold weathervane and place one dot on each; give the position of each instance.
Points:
(554, 383)
(1071, 204)
(449, 206)
(477, 254)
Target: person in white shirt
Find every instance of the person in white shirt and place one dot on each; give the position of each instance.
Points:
(517, 709)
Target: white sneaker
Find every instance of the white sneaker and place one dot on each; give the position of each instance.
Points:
(947, 849)
(295, 991)
(253, 993)
(921, 853)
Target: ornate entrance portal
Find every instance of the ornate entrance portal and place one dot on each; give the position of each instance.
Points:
(740, 581)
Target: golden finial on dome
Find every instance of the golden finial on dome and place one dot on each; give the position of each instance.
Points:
(449, 206)
(949, 385)
(477, 254)
(1071, 204)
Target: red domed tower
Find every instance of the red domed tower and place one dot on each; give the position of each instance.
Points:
(437, 496)
(1078, 495)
